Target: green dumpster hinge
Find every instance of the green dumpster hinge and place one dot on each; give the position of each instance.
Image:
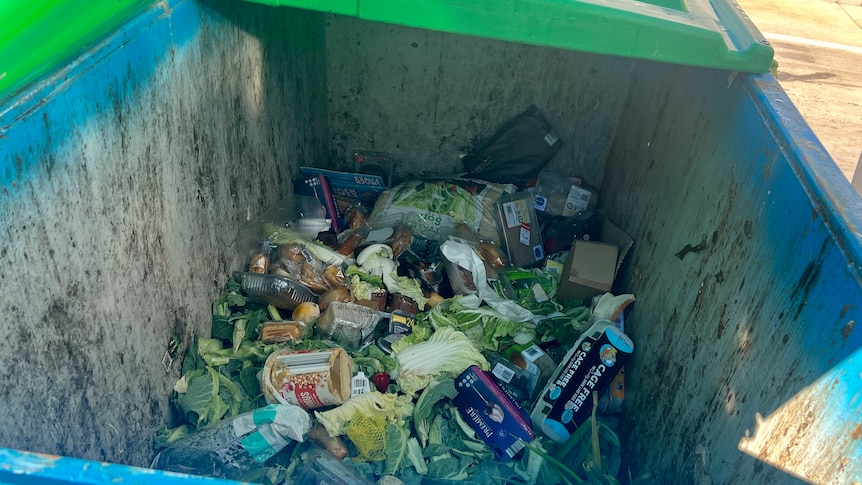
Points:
(707, 33)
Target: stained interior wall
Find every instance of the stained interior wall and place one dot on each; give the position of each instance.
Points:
(125, 185)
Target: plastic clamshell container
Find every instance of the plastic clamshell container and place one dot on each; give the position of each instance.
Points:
(348, 324)
(126, 173)
(276, 290)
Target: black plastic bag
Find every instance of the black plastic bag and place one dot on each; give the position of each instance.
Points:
(517, 151)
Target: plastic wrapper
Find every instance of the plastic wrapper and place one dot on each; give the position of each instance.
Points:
(237, 448)
(563, 196)
(320, 467)
(284, 331)
(439, 205)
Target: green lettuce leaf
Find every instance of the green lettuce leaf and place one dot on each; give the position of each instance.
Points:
(201, 403)
(396, 448)
(439, 389)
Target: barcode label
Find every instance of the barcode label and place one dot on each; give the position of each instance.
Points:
(359, 385)
(515, 213)
(532, 353)
(515, 448)
(503, 373)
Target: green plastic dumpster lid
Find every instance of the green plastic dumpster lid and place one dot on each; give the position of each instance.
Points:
(37, 36)
(706, 33)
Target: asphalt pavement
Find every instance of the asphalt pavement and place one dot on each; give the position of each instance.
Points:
(818, 47)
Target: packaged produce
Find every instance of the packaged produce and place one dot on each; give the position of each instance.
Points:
(519, 382)
(309, 379)
(285, 331)
(497, 419)
(520, 230)
(347, 324)
(439, 205)
(590, 366)
(563, 196)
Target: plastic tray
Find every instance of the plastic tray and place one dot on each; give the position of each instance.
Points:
(275, 290)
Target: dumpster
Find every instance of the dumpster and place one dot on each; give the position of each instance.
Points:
(128, 171)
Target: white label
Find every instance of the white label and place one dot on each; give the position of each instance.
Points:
(577, 200)
(503, 373)
(524, 236)
(550, 139)
(515, 448)
(359, 385)
(516, 212)
(532, 353)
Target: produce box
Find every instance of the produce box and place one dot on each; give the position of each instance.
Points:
(592, 266)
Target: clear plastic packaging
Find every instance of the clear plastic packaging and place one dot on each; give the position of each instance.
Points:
(321, 468)
(348, 324)
(275, 290)
(460, 279)
(563, 196)
(237, 448)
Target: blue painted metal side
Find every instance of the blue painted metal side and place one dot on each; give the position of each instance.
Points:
(749, 345)
(23, 468)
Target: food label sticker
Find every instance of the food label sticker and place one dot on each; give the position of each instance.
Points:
(503, 373)
(516, 213)
(538, 252)
(577, 200)
(541, 203)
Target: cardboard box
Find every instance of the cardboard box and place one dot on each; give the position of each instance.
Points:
(497, 419)
(591, 266)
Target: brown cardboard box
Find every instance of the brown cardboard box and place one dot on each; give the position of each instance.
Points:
(591, 266)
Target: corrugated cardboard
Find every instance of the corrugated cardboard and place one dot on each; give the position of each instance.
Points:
(591, 266)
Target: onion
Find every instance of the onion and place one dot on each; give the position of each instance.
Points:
(306, 312)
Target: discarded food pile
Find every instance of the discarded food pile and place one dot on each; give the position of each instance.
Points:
(452, 329)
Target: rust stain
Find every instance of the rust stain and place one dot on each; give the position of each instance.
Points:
(847, 330)
(846, 308)
(856, 434)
